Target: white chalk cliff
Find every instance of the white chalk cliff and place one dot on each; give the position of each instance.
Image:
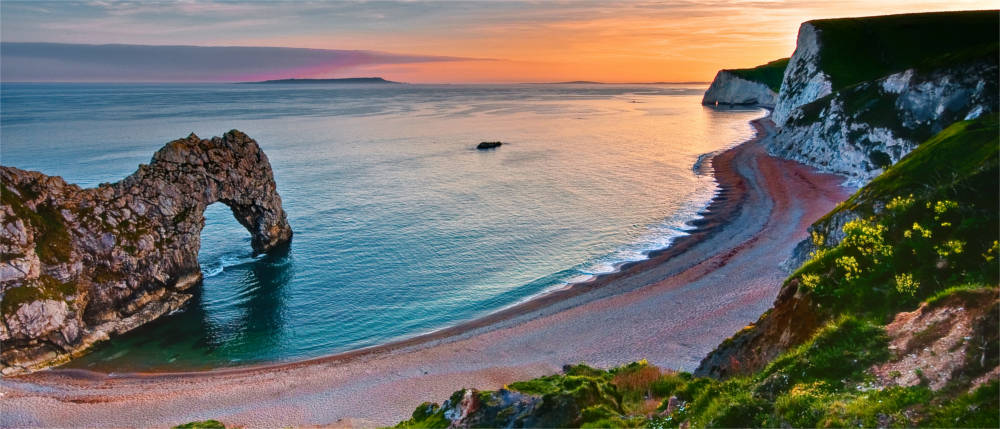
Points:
(729, 89)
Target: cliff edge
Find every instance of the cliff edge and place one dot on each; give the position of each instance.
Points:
(756, 86)
(79, 265)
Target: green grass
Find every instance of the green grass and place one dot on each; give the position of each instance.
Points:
(980, 408)
(769, 74)
(861, 49)
(825, 357)
(821, 383)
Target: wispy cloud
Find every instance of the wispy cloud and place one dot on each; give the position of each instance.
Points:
(23, 61)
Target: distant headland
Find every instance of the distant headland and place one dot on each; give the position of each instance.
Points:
(349, 80)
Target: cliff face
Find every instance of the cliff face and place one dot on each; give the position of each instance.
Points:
(803, 81)
(79, 265)
(730, 89)
(859, 94)
(859, 131)
(756, 86)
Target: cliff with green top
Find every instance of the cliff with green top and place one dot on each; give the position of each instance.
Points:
(860, 93)
(757, 86)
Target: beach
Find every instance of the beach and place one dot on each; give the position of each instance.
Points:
(671, 309)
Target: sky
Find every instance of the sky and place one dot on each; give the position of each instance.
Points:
(410, 41)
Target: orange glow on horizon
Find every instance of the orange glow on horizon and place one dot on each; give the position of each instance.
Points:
(620, 46)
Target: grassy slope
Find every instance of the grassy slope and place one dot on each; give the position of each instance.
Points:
(948, 186)
(769, 74)
(861, 49)
(939, 220)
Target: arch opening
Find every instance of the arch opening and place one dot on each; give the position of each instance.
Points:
(224, 241)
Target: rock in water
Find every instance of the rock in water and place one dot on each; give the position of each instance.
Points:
(488, 145)
(79, 265)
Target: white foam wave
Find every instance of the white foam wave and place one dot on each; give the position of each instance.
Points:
(226, 261)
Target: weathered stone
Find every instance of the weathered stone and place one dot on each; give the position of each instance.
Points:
(36, 318)
(93, 262)
(835, 135)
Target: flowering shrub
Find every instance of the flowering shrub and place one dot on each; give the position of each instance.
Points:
(906, 285)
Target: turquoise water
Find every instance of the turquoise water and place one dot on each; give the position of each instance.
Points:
(401, 226)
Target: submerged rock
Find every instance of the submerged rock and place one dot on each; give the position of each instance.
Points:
(79, 265)
(488, 145)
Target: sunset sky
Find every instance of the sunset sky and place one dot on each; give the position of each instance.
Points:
(412, 41)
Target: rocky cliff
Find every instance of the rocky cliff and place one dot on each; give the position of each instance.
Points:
(859, 131)
(756, 86)
(859, 94)
(79, 265)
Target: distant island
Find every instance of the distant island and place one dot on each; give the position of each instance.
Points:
(349, 80)
(577, 82)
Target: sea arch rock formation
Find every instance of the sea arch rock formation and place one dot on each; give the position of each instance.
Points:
(78, 265)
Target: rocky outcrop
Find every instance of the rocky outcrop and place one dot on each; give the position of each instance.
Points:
(792, 320)
(859, 131)
(79, 265)
(953, 340)
(729, 89)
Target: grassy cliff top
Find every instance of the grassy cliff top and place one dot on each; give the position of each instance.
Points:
(769, 74)
(860, 49)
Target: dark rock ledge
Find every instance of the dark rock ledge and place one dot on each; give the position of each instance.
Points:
(79, 265)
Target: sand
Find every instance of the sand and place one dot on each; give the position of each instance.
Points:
(671, 309)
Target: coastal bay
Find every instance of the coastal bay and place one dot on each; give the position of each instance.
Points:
(671, 309)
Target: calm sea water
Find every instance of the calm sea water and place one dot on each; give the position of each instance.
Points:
(401, 227)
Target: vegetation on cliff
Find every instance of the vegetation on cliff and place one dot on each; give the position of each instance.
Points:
(862, 49)
(769, 74)
(929, 222)
(905, 333)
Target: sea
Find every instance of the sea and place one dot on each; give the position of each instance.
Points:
(402, 227)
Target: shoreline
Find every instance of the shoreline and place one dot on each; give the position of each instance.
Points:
(751, 213)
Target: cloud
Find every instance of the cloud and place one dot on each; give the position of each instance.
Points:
(27, 61)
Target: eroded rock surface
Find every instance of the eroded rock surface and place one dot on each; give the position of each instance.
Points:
(952, 340)
(78, 265)
(859, 131)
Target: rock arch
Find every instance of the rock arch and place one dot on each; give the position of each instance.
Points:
(79, 265)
